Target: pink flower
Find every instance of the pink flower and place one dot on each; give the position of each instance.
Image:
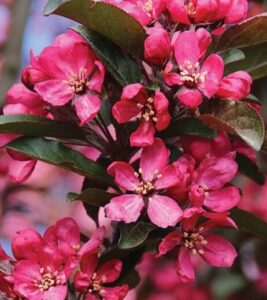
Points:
(42, 277)
(209, 186)
(201, 148)
(75, 74)
(153, 176)
(235, 86)
(196, 11)
(152, 110)
(90, 280)
(144, 11)
(196, 81)
(213, 249)
(157, 46)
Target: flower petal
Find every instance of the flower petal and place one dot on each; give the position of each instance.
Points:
(111, 270)
(87, 106)
(190, 97)
(124, 175)
(144, 135)
(187, 48)
(164, 211)
(214, 68)
(55, 92)
(170, 241)
(161, 105)
(124, 110)
(126, 208)
(168, 177)
(184, 267)
(216, 172)
(153, 159)
(218, 252)
(19, 171)
(223, 199)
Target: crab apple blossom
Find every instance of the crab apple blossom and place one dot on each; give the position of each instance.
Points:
(196, 79)
(207, 11)
(144, 11)
(154, 175)
(92, 280)
(157, 46)
(208, 183)
(192, 239)
(74, 75)
(152, 111)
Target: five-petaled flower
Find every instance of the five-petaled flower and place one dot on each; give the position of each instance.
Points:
(192, 239)
(196, 79)
(151, 110)
(146, 187)
(74, 75)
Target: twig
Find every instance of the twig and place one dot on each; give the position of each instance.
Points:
(12, 51)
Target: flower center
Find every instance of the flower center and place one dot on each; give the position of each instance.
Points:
(145, 187)
(48, 280)
(191, 10)
(148, 110)
(191, 239)
(191, 75)
(96, 284)
(77, 82)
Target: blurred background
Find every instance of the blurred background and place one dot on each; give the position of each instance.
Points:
(40, 201)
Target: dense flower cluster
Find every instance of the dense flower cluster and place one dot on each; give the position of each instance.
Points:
(179, 184)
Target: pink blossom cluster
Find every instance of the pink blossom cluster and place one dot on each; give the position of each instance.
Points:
(185, 197)
(43, 265)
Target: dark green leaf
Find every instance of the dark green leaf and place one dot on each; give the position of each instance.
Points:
(248, 222)
(37, 126)
(250, 36)
(249, 168)
(255, 62)
(92, 211)
(119, 63)
(235, 118)
(92, 196)
(134, 234)
(232, 55)
(108, 20)
(192, 127)
(59, 155)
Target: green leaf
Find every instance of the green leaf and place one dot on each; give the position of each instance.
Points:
(249, 168)
(235, 118)
(255, 62)
(248, 222)
(108, 20)
(250, 36)
(134, 234)
(119, 63)
(59, 155)
(92, 196)
(37, 126)
(192, 127)
(232, 55)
